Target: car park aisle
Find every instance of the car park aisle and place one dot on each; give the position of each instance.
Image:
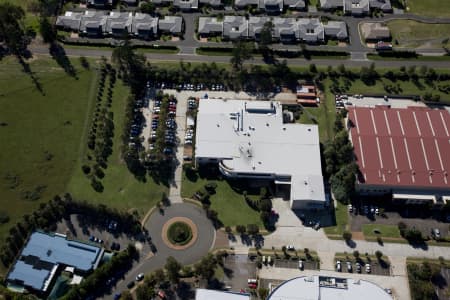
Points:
(175, 187)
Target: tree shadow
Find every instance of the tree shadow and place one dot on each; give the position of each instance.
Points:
(27, 69)
(185, 291)
(59, 55)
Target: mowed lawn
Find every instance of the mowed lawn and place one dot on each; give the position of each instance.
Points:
(40, 134)
(386, 231)
(341, 217)
(434, 8)
(413, 34)
(323, 115)
(121, 189)
(232, 208)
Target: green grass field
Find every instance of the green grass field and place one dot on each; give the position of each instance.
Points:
(231, 206)
(434, 8)
(341, 216)
(386, 231)
(412, 34)
(323, 115)
(121, 189)
(43, 133)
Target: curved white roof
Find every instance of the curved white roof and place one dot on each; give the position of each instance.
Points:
(328, 288)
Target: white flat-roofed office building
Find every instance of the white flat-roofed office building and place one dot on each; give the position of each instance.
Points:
(248, 139)
(328, 288)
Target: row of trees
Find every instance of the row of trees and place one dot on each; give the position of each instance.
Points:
(339, 163)
(50, 213)
(422, 278)
(100, 140)
(95, 283)
(173, 274)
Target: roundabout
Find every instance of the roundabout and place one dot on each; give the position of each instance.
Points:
(179, 233)
(182, 231)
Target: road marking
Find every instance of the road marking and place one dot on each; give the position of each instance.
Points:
(440, 159)
(400, 121)
(417, 123)
(373, 122)
(443, 122)
(387, 123)
(362, 152)
(431, 125)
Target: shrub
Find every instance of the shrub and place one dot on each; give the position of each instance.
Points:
(86, 169)
(347, 235)
(4, 217)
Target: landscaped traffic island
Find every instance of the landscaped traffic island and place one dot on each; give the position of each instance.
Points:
(179, 233)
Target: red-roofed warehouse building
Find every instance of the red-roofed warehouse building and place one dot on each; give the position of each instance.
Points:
(403, 151)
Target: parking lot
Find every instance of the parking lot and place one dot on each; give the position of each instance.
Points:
(241, 268)
(414, 216)
(365, 267)
(294, 264)
(366, 101)
(73, 230)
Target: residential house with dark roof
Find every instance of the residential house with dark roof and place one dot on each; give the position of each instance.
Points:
(295, 4)
(118, 24)
(70, 21)
(99, 3)
(93, 23)
(255, 25)
(240, 4)
(212, 3)
(235, 27)
(331, 4)
(336, 30)
(172, 25)
(209, 26)
(357, 7)
(186, 5)
(311, 30)
(144, 26)
(383, 5)
(272, 6)
(285, 30)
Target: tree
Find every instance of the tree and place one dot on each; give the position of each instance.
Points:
(228, 229)
(11, 30)
(241, 51)
(347, 235)
(206, 267)
(147, 8)
(173, 268)
(252, 229)
(47, 30)
(265, 39)
(263, 293)
(241, 229)
(356, 254)
(378, 254)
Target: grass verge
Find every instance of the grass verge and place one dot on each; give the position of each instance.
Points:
(230, 205)
(413, 34)
(341, 217)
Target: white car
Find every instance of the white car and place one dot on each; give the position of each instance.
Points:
(338, 266)
(349, 267)
(350, 208)
(140, 276)
(368, 268)
(300, 265)
(290, 248)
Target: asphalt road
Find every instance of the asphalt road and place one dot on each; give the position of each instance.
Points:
(359, 61)
(148, 263)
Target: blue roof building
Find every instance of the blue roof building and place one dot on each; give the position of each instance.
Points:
(44, 253)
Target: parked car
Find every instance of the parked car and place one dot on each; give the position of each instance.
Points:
(117, 296)
(436, 233)
(338, 266)
(368, 268)
(290, 248)
(130, 284)
(358, 267)
(349, 267)
(300, 265)
(140, 276)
